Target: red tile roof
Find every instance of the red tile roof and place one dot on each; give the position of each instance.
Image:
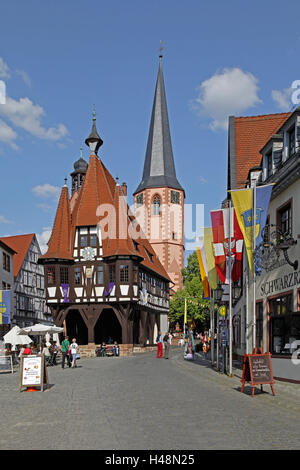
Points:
(59, 245)
(99, 189)
(251, 134)
(20, 244)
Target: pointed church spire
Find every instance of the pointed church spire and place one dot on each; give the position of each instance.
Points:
(159, 168)
(94, 141)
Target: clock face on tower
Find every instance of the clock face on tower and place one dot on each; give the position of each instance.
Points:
(88, 253)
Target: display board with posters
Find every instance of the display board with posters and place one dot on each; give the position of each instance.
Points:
(33, 372)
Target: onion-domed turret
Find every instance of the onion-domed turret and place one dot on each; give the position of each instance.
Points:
(80, 168)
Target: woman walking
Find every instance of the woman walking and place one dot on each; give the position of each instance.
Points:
(74, 351)
(159, 342)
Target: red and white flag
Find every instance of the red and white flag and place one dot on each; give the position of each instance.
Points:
(221, 235)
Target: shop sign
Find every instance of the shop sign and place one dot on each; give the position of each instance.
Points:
(282, 283)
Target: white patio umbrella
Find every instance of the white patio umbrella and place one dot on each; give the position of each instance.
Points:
(13, 337)
(40, 330)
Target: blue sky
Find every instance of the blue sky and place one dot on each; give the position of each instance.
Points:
(59, 58)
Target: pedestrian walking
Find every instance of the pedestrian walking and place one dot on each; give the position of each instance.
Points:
(65, 345)
(159, 342)
(74, 348)
(54, 352)
(166, 345)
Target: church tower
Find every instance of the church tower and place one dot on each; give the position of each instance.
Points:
(159, 198)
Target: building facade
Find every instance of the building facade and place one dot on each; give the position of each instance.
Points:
(103, 278)
(159, 198)
(277, 288)
(29, 284)
(6, 277)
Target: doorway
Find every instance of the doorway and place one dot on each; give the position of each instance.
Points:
(108, 326)
(76, 328)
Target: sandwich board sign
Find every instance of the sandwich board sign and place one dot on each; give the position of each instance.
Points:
(258, 371)
(33, 372)
(6, 364)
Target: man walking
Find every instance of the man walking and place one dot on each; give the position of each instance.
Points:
(65, 345)
(159, 342)
(167, 345)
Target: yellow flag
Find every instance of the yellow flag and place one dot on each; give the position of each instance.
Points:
(242, 202)
(210, 256)
(203, 275)
(185, 311)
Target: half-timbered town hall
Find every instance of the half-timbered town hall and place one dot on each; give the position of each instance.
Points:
(103, 278)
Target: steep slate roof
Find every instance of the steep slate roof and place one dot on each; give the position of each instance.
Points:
(246, 137)
(159, 168)
(20, 244)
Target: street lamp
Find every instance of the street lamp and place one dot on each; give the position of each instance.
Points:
(219, 292)
(236, 292)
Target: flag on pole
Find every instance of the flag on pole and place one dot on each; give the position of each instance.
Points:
(243, 205)
(5, 305)
(211, 264)
(221, 235)
(242, 202)
(185, 311)
(263, 196)
(206, 293)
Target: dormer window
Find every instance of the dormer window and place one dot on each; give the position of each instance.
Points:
(150, 256)
(269, 164)
(291, 141)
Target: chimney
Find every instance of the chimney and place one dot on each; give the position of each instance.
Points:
(124, 189)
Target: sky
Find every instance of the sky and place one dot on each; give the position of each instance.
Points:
(59, 58)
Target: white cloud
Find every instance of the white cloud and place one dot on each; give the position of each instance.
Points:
(8, 135)
(4, 69)
(27, 115)
(47, 191)
(24, 76)
(45, 207)
(202, 179)
(283, 98)
(4, 220)
(230, 92)
(43, 239)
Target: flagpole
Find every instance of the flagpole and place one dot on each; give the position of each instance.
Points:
(217, 358)
(212, 326)
(253, 266)
(230, 296)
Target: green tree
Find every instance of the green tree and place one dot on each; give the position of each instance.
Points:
(197, 307)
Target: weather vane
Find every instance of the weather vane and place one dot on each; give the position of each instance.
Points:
(161, 48)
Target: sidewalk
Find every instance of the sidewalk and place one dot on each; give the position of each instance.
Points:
(287, 395)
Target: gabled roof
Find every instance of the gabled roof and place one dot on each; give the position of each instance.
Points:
(59, 246)
(99, 190)
(159, 168)
(246, 136)
(20, 244)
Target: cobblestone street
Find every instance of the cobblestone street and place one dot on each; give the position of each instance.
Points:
(146, 403)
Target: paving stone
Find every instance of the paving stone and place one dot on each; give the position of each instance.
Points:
(142, 402)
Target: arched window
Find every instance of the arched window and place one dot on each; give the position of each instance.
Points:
(156, 205)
